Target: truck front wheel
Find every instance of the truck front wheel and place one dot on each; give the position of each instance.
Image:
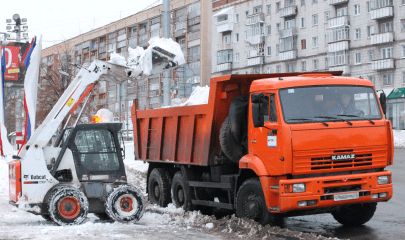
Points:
(159, 187)
(250, 203)
(180, 192)
(356, 214)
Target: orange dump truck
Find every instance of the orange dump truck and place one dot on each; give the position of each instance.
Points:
(272, 146)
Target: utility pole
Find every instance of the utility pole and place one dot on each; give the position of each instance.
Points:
(166, 34)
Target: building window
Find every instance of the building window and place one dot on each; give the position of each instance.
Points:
(269, 70)
(257, 10)
(370, 56)
(403, 77)
(291, 67)
(372, 79)
(224, 56)
(403, 24)
(358, 58)
(387, 52)
(386, 27)
(369, 6)
(303, 2)
(303, 23)
(303, 44)
(403, 51)
(304, 66)
(388, 79)
(269, 9)
(357, 33)
(289, 24)
(236, 57)
(269, 51)
(316, 64)
(278, 6)
(278, 27)
(236, 37)
(327, 16)
(341, 12)
(277, 49)
(226, 38)
(237, 18)
(315, 19)
(315, 41)
(357, 9)
(370, 30)
(247, 13)
(269, 30)
(278, 68)
(314, 1)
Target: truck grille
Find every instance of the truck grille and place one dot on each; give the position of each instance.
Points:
(313, 161)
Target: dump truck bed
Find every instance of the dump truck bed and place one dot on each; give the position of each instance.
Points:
(190, 134)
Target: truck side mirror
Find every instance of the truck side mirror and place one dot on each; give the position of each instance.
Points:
(383, 101)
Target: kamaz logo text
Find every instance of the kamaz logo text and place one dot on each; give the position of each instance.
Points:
(344, 156)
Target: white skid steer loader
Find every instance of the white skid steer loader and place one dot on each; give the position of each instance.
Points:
(84, 171)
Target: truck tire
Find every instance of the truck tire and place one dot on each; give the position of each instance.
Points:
(231, 148)
(356, 214)
(125, 203)
(68, 206)
(159, 187)
(180, 192)
(250, 203)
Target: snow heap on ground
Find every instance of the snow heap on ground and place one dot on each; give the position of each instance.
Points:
(140, 60)
(117, 59)
(399, 138)
(199, 96)
(105, 115)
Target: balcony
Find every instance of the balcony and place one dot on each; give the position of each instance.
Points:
(255, 61)
(194, 21)
(338, 34)
(337, 2)
(292, 54)
(381, 13)
(193, 58)
(121, 38)
(382, 64)
(338, 46)
(253, 19)
(345, 69)
(194, 14)
(224, 67)
(336, 59)
(257, 52)
(193, 36)
(180, 32)
(258, 39)
(142, 31)
(338, 21)
(379, 38)
(224, 45)
(289, 32)
(143, 40)
(102, 55)
(224, 26)
(288, 11)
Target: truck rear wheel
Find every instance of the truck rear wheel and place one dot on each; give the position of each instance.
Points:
(229, 145)
(356, 214)
(180, 192)
(250, 203)
(68, 206)
(125, 203)
(159, 187)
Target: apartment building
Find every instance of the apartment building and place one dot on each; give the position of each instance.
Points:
(189, 19)
(361, 38)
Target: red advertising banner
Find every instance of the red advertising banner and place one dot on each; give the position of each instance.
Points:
(12, 62)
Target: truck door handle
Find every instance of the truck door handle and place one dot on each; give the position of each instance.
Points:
(253, 141)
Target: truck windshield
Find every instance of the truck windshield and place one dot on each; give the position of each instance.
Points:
(329, 103)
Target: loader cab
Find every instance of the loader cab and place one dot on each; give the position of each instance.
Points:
(96, 151)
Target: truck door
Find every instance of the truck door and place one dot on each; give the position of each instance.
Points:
(263, 141)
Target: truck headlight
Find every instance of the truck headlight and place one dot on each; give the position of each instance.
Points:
(295, 188)
(383, 180)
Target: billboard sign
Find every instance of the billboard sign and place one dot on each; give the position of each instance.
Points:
(12, 62)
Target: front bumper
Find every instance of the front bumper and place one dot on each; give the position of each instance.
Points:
(324, 189)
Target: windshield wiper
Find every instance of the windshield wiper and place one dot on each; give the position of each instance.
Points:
(341, 119)
(345, 115)
(307, 119)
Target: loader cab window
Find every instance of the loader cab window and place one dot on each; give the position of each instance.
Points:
(97, 150)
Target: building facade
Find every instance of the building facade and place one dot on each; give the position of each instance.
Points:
(190, 18)
(361, 38)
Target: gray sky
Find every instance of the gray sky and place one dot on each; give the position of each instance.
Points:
(57, 20)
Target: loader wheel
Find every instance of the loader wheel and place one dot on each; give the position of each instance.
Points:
(159, 187)
(68, 206)
(229, 145)
(356, 214)
(125, 203)
(250, 203)
(180, 192)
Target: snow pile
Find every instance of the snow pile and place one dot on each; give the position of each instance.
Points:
(117, 59)
(198, 96)
(105, 115)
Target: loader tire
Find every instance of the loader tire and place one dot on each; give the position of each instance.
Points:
(125, 203)
(356, 214)
(231, 148)
(181, 192)
(159, 187)
(46, 217)
(68, 206)
(250, 203)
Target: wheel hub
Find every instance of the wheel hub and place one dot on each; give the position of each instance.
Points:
(157, 192)
(69, 207)
(180, 195)
(251, 207)
(126, 204)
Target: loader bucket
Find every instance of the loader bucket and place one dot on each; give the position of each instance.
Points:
(162, 60)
